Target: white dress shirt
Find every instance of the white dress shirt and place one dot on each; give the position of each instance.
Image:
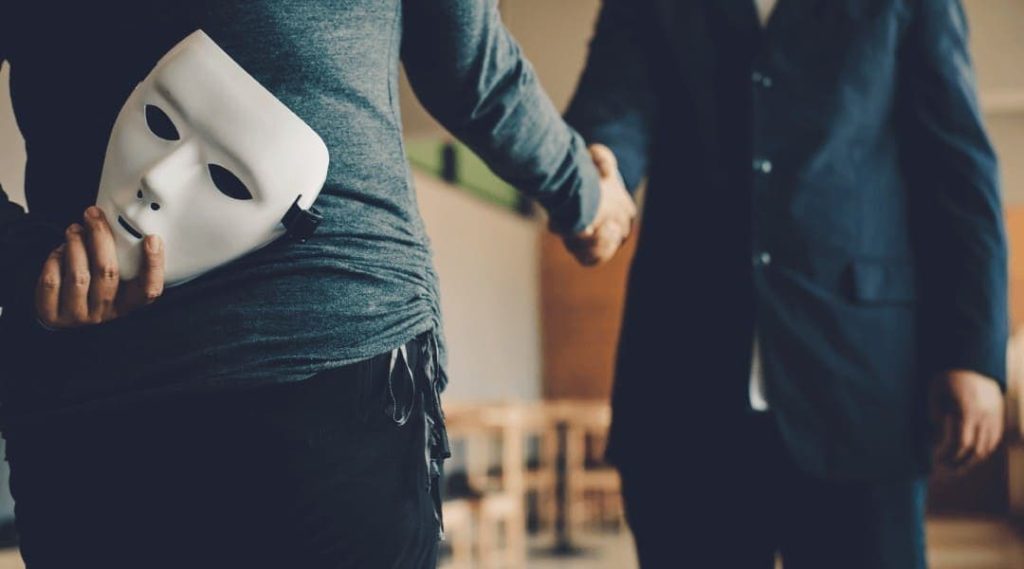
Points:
(764, 9)
(758, 400)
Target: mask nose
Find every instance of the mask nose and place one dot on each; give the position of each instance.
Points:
(147, 197)
(167, 176)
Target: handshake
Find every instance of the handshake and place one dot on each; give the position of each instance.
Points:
(599, 242)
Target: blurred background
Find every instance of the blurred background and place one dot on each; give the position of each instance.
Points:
(532, 336)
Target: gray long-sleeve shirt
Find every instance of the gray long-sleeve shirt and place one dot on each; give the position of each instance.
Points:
(364, 284)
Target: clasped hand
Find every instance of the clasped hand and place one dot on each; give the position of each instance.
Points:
(599, 242)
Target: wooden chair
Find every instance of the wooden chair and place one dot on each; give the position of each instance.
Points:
(497, 502)
(600, 484)
(502, 530)
(593, 488)
(458, 534)
(541, 475)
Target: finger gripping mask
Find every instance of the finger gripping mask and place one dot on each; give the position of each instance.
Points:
(209, 160)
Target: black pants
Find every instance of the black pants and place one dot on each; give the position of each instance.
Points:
(325, 473)
(735, 507)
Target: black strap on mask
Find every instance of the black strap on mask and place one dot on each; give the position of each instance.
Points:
(301, 223)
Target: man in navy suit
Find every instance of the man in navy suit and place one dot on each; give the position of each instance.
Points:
(822, 254)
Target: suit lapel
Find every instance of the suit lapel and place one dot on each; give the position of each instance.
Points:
(792, 16)
(741, 14)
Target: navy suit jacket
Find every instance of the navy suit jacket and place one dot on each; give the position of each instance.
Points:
(825, 181)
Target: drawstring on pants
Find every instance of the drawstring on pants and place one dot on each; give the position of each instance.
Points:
(426, 380)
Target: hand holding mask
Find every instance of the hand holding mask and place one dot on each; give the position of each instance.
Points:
(205, 157)
(203, 166)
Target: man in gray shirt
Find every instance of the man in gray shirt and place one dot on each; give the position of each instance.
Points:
(309, 330)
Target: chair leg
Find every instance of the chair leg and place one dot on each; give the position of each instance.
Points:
(516, 541)
(485, 543)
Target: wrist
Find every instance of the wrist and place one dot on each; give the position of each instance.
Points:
(575, 207)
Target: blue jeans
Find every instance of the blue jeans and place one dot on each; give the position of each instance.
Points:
(324, 473)
(737, 500)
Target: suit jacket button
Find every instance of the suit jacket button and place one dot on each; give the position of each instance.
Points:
(761, 79)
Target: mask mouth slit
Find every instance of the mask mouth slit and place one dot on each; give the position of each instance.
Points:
(127, 227)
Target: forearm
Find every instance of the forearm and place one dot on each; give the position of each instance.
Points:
(615, 102)
(25, 241)
(964, 282)
(24, 244)
(966, 319)
(958, 209)
(471, 75)
(961, 244)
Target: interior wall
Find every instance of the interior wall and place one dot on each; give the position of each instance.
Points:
(12, 148)
(555, 37)
(1015, 233)
(12, 173)
(582, 314)
(488, 262)
(997, 45)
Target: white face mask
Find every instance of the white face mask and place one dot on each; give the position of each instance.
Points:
(206, 158)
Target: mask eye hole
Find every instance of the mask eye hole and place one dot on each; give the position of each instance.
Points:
(228, 183)
(161, 124)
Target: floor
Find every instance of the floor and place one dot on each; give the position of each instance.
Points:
(974, 544)
(954, 543)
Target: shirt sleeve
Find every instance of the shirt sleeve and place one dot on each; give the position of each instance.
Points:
(24, 245)
(615, 102)
(24, 241)
(470, 74)
(956, 191)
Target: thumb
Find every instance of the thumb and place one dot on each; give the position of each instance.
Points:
(149, 285)
(605, 160)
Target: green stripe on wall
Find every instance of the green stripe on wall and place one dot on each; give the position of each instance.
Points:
(471, 173)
